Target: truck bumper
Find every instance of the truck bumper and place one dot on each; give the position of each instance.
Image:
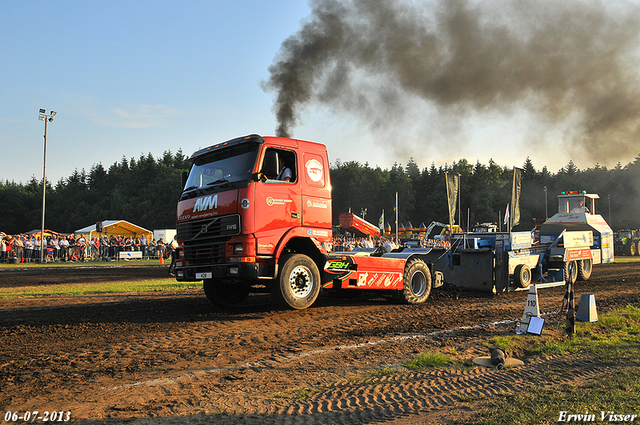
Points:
(235, 271)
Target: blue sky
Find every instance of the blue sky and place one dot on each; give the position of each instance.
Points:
(131, 77)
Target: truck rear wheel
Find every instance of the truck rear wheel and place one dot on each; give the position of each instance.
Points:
(522, 276)
(224, 294)
(298, 283)
(570, 272)
(417, 282)
(584, 269)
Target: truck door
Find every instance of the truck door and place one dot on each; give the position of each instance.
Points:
(316, 193)
(277, 198)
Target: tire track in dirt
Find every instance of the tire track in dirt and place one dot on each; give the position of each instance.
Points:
(409, 393)
(177, 360)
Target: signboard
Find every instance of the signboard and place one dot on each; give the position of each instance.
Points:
(520, 240)
(578, 239)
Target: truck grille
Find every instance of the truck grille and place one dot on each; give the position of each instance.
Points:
(205, 240)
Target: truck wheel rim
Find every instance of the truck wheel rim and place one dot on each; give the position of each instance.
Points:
(301, 282)
(418, 283)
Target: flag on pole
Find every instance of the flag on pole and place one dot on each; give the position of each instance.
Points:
(381, 223)
(453, 182)
(515, 195)
(396, 210)
(506, 217)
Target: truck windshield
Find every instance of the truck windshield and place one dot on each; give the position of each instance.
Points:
(222, 169)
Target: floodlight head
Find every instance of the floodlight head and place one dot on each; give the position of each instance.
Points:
(53, 113)
(42, 111)
(41, 117)
(50, 119)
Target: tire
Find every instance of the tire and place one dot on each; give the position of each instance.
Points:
(298, 283)
(570, 272)
(522, 276)
(417, 282)
(224, 294)
(632, 249)
(585, 267)
(638, 248)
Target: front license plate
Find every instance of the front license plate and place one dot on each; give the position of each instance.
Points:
(204, 275)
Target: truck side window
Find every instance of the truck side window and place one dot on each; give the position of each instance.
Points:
(279, 166)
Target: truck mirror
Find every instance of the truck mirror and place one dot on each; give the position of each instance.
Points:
(184, 178)
(259, 177)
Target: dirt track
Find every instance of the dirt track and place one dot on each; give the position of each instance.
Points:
(170, 357)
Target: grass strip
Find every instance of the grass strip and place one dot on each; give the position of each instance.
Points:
(626, 259)
(613, 340)
(71, 264)
(617, 394)
(71, 289)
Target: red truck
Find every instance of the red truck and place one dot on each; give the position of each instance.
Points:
(240, 228)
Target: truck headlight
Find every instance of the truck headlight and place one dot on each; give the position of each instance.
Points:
(238, 248)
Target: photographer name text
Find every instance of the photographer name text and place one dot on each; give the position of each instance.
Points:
(604, 416)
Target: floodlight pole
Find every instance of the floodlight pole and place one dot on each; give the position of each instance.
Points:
(47, 118)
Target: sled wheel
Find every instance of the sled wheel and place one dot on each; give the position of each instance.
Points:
(417, 282)
(298, 283)
(584, 269)
(570, 272)
(522, 276)
(224, 294)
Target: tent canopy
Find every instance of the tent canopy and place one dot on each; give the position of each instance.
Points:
(47, 233)
(115, 227)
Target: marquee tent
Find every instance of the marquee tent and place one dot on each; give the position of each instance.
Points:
(47, 232)
(115, 227)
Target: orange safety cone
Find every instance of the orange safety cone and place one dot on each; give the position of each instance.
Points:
(161, 259)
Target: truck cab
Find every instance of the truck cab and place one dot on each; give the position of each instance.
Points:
(239, 222)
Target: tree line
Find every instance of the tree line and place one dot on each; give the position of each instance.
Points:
(485, 191)
(144, 191)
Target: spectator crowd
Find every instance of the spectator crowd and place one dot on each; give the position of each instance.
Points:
(23, 248)
(347, 243)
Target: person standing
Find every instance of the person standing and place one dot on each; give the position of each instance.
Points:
(172, 266)
(64, 248)
(18, 247)
(3, 247)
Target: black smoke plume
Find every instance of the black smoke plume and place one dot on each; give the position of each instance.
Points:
(571, 61)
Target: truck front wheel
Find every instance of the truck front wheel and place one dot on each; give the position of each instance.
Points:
(298, 282)
(223, 293)
(417, 283)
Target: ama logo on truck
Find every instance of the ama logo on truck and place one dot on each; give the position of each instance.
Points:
(205, 203)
